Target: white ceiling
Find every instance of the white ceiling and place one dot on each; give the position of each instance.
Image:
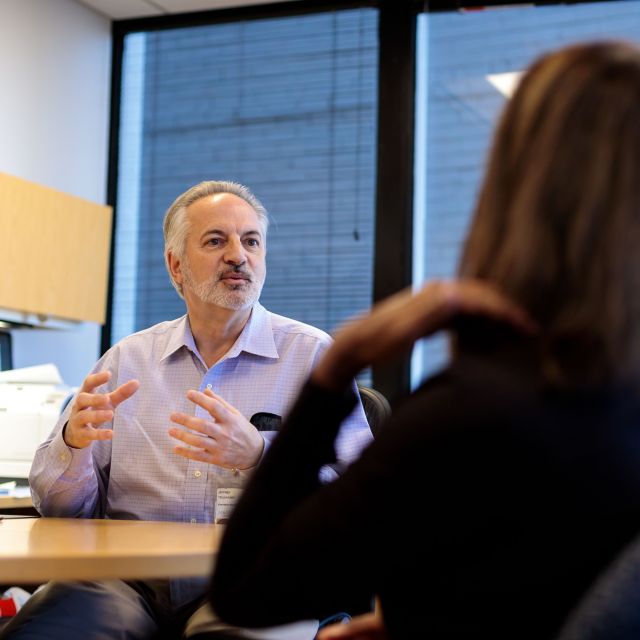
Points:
(124, 9)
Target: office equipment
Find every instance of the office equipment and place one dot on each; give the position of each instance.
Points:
(12, 490)
(30, 403)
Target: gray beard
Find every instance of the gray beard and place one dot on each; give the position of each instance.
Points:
(219, 294)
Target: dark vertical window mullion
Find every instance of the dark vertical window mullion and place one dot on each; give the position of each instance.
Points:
(112, 178)
(145, 275)
(394, 191)
(6, 357)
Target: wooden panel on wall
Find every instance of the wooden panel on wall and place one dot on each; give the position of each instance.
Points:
(54, 252)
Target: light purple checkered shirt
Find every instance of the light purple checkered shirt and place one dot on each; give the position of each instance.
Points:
(137, 475)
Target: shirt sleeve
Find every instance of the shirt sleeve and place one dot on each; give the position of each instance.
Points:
(69, 482)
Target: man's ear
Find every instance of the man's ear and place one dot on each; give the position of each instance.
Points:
(175, 266)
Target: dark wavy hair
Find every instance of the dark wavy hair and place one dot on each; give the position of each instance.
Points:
(557, 222)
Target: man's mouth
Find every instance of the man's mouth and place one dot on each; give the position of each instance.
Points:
(235, 277)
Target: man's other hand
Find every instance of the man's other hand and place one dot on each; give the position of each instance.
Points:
(227, 439)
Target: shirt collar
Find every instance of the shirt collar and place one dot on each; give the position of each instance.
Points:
(256, 337)
(181, 336)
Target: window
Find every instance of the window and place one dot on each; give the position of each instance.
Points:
(457, 104)
(287, 106)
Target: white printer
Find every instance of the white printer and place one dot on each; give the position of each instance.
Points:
(30, 402)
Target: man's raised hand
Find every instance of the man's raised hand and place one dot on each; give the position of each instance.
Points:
(91, 409)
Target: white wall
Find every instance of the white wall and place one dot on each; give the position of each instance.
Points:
(55, 58)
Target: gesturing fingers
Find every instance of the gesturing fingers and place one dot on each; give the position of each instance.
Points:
(192, 439)
(111, 400)
(229, 407)
(213, 404)
(205, 445)
(123, 392)
(92, 409)
(235, 442)
(199, 455)
(86, 400)
(94, 416)
(81, 429)
(95, 380)
(205, 427)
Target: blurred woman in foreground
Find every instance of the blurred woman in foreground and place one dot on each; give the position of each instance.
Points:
(504, 485)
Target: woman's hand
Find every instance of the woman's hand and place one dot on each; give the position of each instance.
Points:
(397, 322)
(365, 627)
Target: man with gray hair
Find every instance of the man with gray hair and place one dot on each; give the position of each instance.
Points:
(172, 420)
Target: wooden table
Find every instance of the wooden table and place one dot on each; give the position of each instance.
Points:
(18, 506)
(9, 504)
(39, 549)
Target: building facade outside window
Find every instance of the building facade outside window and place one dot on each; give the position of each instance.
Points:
(465, 62)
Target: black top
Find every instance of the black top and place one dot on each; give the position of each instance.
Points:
(486, 505)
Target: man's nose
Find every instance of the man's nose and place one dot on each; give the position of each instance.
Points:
(235, 253)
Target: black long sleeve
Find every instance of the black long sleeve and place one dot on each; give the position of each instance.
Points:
(267, 540)
(485, 507)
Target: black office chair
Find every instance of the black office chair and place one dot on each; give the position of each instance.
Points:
(610, 610)
(376, 407)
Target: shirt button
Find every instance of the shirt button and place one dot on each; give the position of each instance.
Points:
(197, 473)
(193, 521)
(209, 386)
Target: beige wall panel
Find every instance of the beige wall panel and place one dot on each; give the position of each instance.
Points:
(54, 252)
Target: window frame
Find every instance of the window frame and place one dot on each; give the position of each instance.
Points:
(6, 356)
(392, 260)
(394, 174)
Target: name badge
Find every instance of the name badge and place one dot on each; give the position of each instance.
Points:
(226, 500)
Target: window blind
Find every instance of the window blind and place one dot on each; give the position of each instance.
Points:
(287, 106)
